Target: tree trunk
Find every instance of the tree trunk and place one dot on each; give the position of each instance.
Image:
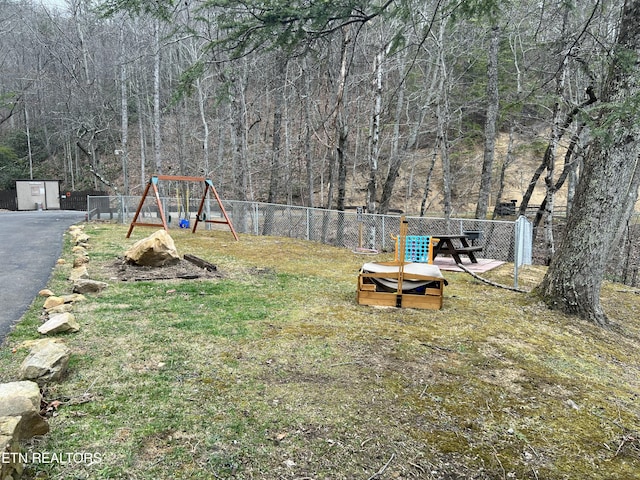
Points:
(607, 184)
(28, 134)
(490, 125)
(430, 88)
(338, 152)
(442, 114)
(278, 105)
(206, 153)
(427, 183)
(157, 114)
(545, 160)
(374, 139)
(124, 114)
(307, 133)
(240, 166)
(503, 170)
(549, 181)
(341, 125)
(142, 140)
(532, 183)
(275, 145)
(395, 162)
(557, 131)
(569, 166)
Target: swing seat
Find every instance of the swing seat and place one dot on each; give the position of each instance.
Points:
(184, 223)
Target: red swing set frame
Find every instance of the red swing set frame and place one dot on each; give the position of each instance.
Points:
(153, 184)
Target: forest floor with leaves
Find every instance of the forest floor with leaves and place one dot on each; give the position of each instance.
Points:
(271, 370)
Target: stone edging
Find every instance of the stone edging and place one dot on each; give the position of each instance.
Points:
(20, 401)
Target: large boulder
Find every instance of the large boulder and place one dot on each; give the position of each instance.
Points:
(47, 361)
(156, 250)
(20, 407)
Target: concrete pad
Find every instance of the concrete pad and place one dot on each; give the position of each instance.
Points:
(483, 265)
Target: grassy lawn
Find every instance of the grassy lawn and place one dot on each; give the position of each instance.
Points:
(274, 372)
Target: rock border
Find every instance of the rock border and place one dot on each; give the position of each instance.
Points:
(46, 362)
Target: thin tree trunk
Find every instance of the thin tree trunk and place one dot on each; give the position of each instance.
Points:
(545, 160)
(569, 166)
(182, 123)
(224, 131)
(77, 14)
(275, 172)
(430, 87)
(278, 104)
(374, 139)
(68, 153)
(337, 153)
(557, 132)
(307, 134)
(551, 165)
(157, 114)
(124, 114)
(490, 125)
(28, 134)
(427, 186)
(206, 154)
(142, 141)
(240, 131)
(342, 126)
(442, 114)
(510, 157)
(395, 162)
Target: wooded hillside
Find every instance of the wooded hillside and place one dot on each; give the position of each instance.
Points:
(310, 105)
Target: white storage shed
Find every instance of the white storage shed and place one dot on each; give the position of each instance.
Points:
(38, 194)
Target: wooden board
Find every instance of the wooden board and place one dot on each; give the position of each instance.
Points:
(200, 262)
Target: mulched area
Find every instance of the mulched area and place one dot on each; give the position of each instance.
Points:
(183, 270)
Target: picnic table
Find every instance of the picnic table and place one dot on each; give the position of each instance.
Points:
(455, 245)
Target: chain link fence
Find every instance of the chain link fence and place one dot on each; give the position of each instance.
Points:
(348, 229)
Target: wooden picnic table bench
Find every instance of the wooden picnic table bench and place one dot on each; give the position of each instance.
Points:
(455, 245)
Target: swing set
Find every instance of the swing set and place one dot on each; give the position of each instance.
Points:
(184, 223)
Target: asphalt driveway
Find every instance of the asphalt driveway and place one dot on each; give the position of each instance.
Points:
(30, 244)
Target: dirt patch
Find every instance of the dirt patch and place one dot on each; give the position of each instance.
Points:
(183, 270)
